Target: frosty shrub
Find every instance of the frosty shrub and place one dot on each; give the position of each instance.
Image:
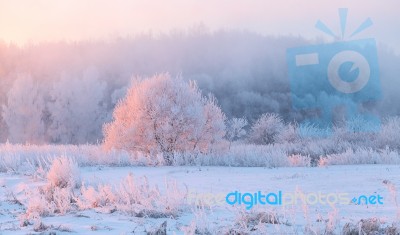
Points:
(266, 129)
(389, 136)
(297, 160)
(64, 172)
(235, 128)
(47, 200)
(92, 197)
(137, 197)
(56, 196)
(37, 205)
(353, 133)
(289, 134)
(164, 115)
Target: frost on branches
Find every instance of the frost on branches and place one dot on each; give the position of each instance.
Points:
(166, 115)
(25, 110)
(266, 129)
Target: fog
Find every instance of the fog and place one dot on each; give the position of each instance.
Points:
(74, 86)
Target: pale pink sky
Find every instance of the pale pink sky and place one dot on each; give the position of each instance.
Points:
(24, 21)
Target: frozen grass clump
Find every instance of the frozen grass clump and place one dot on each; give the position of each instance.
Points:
(254, 222)
(201, 223)
(243, 155)
(28, 159)
(56, 196)
(370, 226)
(298, 160)
(134, 196)
(361, 156)
(63, 173)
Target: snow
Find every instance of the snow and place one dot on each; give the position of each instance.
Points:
(219, 181)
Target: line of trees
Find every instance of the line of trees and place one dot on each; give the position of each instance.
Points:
(71, 111)
(169, 116)
(64, 92)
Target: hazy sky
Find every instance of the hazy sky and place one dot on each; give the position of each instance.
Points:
(24, 21)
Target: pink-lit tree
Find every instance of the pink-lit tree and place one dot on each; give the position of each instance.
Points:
(165, 115)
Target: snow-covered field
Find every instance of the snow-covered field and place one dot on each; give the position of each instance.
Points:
(202, 207)
(147, 122)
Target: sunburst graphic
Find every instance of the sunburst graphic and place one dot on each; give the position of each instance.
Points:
(343, 21)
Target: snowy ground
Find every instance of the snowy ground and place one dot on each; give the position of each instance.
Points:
(212, 184)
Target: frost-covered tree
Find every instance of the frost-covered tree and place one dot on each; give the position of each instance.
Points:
(266, 129)
(235, 128)
(389, 136)
(289, 134)
(164, 115)
(77, 108)
(24, 112)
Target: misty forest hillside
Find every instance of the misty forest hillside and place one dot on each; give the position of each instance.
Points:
(73, 87)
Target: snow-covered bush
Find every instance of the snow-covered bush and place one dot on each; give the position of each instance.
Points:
(165, 115)
(136, 197)
(48, 200)
(389, 136)
(235, 128)
(64, 172)
(289, 134)
(93, 197)
(354, 135)
(298, 160)
(56, 195)
(266, 129)
(37, 205)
